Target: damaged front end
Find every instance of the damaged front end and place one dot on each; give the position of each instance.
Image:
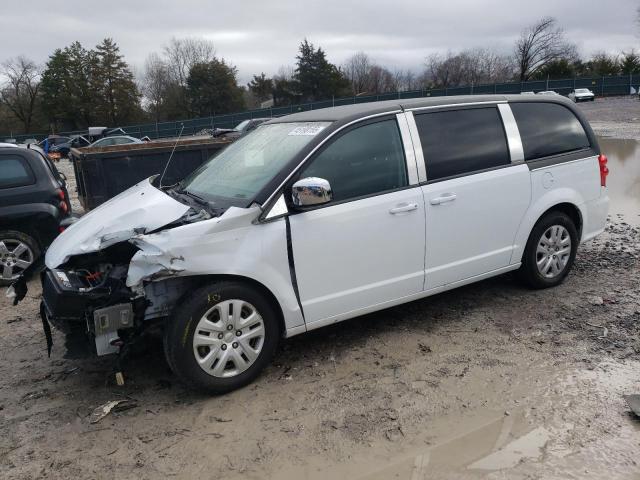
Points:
(88, 297)
(85, 293)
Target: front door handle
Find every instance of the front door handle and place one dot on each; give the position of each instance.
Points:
(403, 208)
(446, 197)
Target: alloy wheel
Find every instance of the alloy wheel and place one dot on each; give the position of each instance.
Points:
(553, 251)
(228, 338)
(15, 257)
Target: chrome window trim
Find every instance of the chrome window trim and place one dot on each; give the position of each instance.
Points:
(514, 141)
(268, 203)
(417, 147)
(454, 105)
(532, 163)
(409, 149)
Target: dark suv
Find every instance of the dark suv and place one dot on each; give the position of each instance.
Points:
(33, 202)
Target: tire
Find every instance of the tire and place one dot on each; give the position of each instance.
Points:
(18, 250)
(207, 355)
(554, 259)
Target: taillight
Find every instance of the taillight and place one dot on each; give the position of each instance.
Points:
(62, 204)
(604, 170)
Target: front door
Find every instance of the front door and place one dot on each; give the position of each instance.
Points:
(366, 246)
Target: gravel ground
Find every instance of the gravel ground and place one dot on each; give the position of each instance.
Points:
(617, 117)
(491, 380)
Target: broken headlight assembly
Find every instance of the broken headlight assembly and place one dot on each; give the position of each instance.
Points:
(92, 298)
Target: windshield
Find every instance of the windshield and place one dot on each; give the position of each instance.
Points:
(239, 172)
(241, 125)
(581, 90)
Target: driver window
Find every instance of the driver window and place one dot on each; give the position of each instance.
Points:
(364, 161)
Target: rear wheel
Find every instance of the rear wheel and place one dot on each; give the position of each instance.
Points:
(17, 252)
(550, 251)
(221, 337)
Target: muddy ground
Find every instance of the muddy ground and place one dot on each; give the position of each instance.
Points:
(488, 381)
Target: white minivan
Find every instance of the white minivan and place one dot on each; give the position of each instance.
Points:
(325, 215)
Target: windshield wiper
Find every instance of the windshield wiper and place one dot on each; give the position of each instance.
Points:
(209, 206)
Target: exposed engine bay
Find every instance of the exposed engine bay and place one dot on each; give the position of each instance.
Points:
(87, 295)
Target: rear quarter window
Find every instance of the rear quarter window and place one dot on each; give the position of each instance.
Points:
(548, 129)
(15, 172)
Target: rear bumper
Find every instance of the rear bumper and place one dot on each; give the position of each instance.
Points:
(595, 216)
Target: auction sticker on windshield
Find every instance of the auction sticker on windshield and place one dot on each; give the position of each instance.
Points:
(307, 130)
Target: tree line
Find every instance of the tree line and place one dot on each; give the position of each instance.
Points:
(79, 87)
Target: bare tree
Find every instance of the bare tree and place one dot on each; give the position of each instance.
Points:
(182, 53)
(448, 70)
(285, 72)
(381, 80)
(357, 69)
(540, 44)
(20, 90)
(468, 67)
(155, 82)
(496, 67)
(405, 80)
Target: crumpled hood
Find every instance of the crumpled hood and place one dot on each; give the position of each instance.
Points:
(140, 209)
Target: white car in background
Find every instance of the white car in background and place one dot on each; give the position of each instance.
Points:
(115, 140)
(582, 95)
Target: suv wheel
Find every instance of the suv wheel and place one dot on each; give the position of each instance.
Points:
(17, 251)
(221, 337)
(550, 251)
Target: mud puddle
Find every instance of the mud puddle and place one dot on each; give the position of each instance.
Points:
(624, 177)
(572, 423)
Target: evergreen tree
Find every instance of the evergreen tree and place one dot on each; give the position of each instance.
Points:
(66, 99)
(561, 68)
(315, 77)
(83, 87)
(603, 64)
(261, 87)
(630, 63)
(117, 96)
(212, 88)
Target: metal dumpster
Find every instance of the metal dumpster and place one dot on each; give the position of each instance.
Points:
(102, 173)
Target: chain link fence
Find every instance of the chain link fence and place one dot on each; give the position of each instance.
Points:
(601, 86)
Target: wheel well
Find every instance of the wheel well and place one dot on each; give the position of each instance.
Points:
(200, 280)
(25, 228)
(41, 228)
(571, 211)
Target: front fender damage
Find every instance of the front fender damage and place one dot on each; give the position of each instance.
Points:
(151, 262)
(165, 254)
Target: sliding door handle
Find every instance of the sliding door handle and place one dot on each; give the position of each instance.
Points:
(446, 197)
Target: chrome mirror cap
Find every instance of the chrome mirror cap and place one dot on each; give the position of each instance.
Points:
(311, 191)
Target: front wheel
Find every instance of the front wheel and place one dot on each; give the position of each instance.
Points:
(550, 251)
(221, 337)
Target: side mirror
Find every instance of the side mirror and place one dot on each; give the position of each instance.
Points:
(311, 191)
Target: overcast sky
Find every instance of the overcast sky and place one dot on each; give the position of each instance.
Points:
(263, 35)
